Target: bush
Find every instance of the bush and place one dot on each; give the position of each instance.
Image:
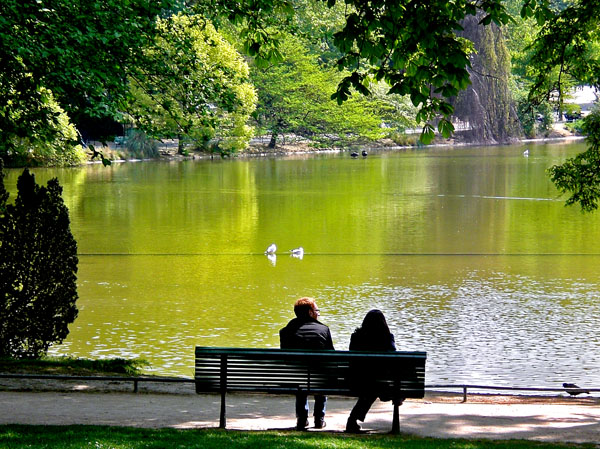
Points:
(575, 127)
(405, 140)
(139, 145)
(535, 119)
(38, 267)
(62, 148)
(572, 111)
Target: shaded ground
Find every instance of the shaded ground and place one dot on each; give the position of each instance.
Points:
(559, 418)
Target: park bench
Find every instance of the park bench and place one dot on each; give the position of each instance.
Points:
(397, 375)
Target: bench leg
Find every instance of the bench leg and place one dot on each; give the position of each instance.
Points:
(223, 417)
(396, 416)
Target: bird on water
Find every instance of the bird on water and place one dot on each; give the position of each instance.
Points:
(364, 153)
(271, 249)
(297, 252)
(354, 154)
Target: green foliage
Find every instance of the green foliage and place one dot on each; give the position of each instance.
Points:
(294, 98)
(82, 51)
(198, 89)
(580, 176)
(139, 145)
(73, 366)
(535, 118)
(425, 59)
(405, 140)
(571, 111)
(59, 147)
(383, 40)
(565, 50)
(38, 267)
(575, 127)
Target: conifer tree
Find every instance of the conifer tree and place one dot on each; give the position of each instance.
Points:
(38, 269)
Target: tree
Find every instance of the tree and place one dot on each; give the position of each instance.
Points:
(486, 104)
(567, 48)
(85, 51)
(294, 98)
(38, 267)
(60, 147)
(198, 89)
(411, 45)
(580, 176)
(82, 51)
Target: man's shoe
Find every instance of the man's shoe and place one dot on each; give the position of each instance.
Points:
(352, 426)
(320, 423)
(301, 424)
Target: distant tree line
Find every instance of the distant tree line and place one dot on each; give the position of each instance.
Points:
(213, 73)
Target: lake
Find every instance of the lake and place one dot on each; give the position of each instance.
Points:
(469, 252)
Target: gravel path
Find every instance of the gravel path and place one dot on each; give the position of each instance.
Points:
(558, 419)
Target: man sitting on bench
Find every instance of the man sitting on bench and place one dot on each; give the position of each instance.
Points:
(306, 332)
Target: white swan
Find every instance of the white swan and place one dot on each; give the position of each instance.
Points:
(297, 252)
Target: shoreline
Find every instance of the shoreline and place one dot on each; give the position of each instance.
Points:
(168, 151)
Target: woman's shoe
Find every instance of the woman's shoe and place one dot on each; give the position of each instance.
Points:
(301, 424)
(320, 423)
(352, 426)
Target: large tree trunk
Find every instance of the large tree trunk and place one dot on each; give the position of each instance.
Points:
(180, 145)
(487, 104)
(273, 140)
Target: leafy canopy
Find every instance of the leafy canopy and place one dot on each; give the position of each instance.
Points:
(81, 51)
(294, 98)
(198, 89)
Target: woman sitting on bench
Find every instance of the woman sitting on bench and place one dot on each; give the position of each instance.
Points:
(373, 335)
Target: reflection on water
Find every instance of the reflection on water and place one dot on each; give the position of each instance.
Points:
(469, 252)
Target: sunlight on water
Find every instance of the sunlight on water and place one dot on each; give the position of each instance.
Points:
(469, 252)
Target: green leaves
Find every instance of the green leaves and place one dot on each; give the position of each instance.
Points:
(95, 153)
(198, 90)
(390, 41)
(295, 98)
(428, 134)
(446, 128)
(580, 176)
(81, 51)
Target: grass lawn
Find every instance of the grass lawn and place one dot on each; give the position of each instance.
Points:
(97, 437)
(73, 366)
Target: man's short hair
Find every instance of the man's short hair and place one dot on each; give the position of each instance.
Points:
(303, 306)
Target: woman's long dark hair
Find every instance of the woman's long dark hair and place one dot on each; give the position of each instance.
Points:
(373, 335)
(375, 324)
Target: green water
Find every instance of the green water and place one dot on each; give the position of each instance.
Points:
(468, 251)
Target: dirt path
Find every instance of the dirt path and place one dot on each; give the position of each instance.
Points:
(559, 419)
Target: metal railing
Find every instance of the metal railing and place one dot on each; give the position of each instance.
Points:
(138, 379)
(465, 387)
(135, 380)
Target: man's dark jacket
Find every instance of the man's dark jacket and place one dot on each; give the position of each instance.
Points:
(305, 333)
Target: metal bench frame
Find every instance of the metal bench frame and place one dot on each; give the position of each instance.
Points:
(399, 375)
